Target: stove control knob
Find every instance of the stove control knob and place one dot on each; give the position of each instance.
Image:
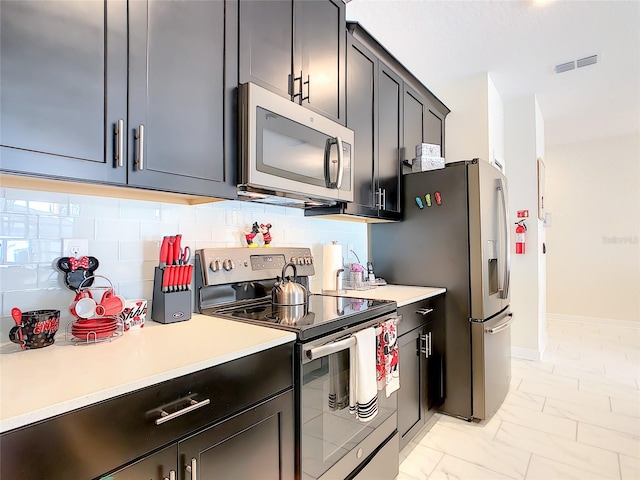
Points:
(293, 260)
(215, 265)
(228, 264)
(300, 260)
(307, 260)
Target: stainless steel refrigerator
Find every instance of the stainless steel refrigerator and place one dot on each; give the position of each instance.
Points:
(455, 234)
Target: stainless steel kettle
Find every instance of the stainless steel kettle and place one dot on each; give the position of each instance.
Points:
(287, 291)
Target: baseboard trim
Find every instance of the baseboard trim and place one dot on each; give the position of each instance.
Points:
(526, 353)
(561, 317)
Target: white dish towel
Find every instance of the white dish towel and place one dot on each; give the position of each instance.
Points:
(363, 386)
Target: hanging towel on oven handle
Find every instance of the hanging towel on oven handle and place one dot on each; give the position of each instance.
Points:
(363, 389)
(387, 367)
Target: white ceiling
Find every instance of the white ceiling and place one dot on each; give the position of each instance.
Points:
(519, 43)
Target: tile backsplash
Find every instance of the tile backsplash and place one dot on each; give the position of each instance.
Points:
(125, 236)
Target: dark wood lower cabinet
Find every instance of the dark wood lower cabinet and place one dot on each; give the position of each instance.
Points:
(421, 357)
(257, 443)
(243, 428)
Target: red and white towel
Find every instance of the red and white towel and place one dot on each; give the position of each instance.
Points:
(387, 369)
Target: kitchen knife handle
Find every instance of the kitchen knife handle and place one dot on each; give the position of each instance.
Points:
(177, 250)
(119, 133)
(172, 475)
(164, 251)
(140, 147)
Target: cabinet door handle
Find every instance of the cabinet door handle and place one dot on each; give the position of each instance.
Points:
(193, 405)
(425, 344)
(383, 199)
(293, 88)
(119, 132)
(424, 311)
(193, 469)
(379, 204)
(308, 84)
(140, 149)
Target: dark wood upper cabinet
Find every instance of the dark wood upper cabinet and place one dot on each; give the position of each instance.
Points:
(390, 112)
(80, 79)
(64, 87)
(389, 142)
(182, 95)
(361, 118)
(296, 48)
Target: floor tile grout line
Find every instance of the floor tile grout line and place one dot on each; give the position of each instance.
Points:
(526, 470)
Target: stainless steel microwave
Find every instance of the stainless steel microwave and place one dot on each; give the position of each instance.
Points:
(290, 155)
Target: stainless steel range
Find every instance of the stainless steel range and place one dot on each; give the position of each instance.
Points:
(237, 283)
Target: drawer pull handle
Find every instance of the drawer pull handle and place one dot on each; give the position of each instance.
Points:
(193, 405)
(424, 311)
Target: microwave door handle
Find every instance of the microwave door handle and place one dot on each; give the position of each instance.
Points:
(340, 163)
(327, 163)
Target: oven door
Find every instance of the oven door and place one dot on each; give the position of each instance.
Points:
(333, 442)
(288, 149)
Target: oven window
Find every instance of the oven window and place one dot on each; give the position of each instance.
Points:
(329, 431)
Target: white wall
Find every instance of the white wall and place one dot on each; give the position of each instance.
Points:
(593, 260)
(468, 123)
(524, 144)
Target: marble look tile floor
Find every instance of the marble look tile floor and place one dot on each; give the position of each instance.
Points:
(574, 415)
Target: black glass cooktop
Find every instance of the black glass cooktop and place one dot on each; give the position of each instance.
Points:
(324, 314)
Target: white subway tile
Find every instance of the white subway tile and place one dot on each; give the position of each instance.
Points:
(18, 277)
(104, 250)
(55, 227)
(93, 207)
(47, 250)
(22, 226)
(139, 251)
(111, 229)
(49, 277)
(155, 231)
(195, 231)
(177, 213)
(209, 216)
(139, 210)
(37, 299)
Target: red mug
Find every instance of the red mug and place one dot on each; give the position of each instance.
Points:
(83, 306)
(110, 304)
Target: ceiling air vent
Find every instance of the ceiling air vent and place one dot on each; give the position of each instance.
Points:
(583, 62)
(565, 67)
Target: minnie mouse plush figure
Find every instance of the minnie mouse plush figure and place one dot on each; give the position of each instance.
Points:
(77, 270)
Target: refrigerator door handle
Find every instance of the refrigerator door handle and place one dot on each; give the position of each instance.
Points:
(500, 327)
(504, 291)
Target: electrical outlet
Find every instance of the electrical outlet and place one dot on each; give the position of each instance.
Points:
(75, 247)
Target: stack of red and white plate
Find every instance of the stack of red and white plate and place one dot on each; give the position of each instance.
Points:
(94, 328)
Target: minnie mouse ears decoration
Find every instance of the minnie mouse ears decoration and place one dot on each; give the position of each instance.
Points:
(77, 270)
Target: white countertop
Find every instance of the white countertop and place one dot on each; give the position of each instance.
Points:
(401, 294)
(38, 384)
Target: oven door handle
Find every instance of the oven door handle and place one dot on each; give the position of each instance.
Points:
(329, 348)
(312, 353)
